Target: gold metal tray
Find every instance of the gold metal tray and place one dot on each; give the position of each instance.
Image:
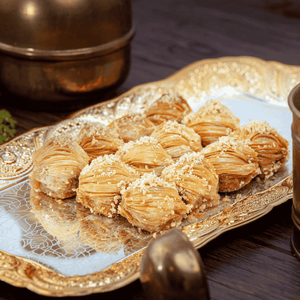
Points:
(33, 258)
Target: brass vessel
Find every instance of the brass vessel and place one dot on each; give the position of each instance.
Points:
(294, 104)
(63, 54)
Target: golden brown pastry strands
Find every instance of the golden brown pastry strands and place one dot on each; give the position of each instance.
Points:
(196, 180)
(145, 155)
(271, 147)
(152, 204)
(132, 127)
(234, 161)
(177, 139)
(212, 121)
(169, 107)
(100, 184)
(98, 140)
(57, 165)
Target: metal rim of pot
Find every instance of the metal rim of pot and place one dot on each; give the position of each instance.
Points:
(74, 54)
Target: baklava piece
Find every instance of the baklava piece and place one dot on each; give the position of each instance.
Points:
(56, 167)
(177, 139)
(100, 184)
(145, 155)
(235, 163)
(196, 181)
(212, 121)
(97, 140)
(271, 147)
(132, 127)
(169, 107)
(152, 204)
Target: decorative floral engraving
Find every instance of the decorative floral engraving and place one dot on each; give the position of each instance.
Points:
(16, 156)
(19, 272)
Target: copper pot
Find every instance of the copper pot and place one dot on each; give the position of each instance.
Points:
(57, 54)
(294, 104)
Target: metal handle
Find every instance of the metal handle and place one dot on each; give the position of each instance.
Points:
(171, 268)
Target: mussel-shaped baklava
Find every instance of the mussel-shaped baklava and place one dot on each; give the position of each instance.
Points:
(169, 107)
(234, 161)
(212, 121)
(100, 184)
(177, 139)
(152, 204)
(271, 147)
(145, 155)
(97, 140)
(56, 167)
(196, 180)
(132, 127)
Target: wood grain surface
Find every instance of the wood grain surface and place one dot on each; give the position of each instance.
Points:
(254, 261)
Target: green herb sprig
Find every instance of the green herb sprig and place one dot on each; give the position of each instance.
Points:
(7, 125)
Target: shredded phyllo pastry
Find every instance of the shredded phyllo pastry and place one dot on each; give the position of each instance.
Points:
(169, 107)
(97, 140)
(212, 121)
(132, 127)
(152, 204)
(56, 167)
(101, 182)
(196, 180)
(177, 139)
(234, 161)
(146, 173)
(145, 155)
(271, 148)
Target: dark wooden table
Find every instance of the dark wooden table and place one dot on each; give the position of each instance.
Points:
(254, 261)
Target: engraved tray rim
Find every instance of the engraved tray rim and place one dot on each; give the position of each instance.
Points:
(22, 272)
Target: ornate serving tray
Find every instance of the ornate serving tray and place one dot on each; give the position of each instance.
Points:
(35, 256)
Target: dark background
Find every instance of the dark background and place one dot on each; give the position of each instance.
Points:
(253, 261)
